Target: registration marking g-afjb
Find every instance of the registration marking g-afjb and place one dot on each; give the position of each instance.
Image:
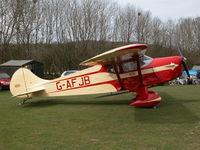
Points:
(71, 83)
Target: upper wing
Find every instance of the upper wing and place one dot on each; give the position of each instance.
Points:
(111, 54)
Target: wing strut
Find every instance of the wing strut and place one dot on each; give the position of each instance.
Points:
(137, 57)
(117, 74)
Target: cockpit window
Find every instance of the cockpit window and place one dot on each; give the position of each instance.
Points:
(129, 66)
(132, 65)
(126, 57)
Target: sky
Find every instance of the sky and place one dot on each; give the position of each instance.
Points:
(167, 9)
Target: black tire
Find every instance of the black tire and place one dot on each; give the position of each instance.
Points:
(1, 87)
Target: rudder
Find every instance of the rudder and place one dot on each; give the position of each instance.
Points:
(24, 81)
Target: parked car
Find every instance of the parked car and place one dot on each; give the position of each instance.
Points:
(68, 72)
(4, 80)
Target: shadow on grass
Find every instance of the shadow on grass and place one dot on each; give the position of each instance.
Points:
(52, 102)
(170, 110)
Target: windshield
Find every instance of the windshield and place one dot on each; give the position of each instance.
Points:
(4, 75)
(145, 60)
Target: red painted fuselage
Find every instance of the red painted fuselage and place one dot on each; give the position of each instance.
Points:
(159, 70)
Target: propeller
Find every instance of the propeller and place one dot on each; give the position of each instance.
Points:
(184, 63)
(186, 68)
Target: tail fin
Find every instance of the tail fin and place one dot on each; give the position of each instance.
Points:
(24, 82)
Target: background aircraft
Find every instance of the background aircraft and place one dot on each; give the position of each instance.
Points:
(123, 68)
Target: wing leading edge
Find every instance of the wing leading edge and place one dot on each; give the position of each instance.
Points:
(111, 54)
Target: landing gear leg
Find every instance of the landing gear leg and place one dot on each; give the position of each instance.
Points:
(146, 98)
(24, 100)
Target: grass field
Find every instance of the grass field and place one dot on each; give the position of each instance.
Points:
(90, 123)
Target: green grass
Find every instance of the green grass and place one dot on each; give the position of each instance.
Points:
(90, 123)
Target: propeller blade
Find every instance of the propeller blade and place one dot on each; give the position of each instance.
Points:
(186, 68)
(180, 53)
(184, 63)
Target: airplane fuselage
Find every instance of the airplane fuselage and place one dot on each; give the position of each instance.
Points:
(97, 79)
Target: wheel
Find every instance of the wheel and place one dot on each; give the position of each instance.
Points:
(21, 103)
(1, 87)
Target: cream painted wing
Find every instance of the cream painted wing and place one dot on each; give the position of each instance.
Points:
(111, 54)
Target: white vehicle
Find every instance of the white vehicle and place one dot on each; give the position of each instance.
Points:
(68, 72)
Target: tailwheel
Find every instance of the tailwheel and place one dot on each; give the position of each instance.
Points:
(155, 107)
(24, 100)
(148, 100)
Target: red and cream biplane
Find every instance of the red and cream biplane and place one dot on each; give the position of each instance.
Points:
(123, 68)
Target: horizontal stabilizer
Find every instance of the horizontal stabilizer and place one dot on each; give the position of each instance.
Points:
(29, 92)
